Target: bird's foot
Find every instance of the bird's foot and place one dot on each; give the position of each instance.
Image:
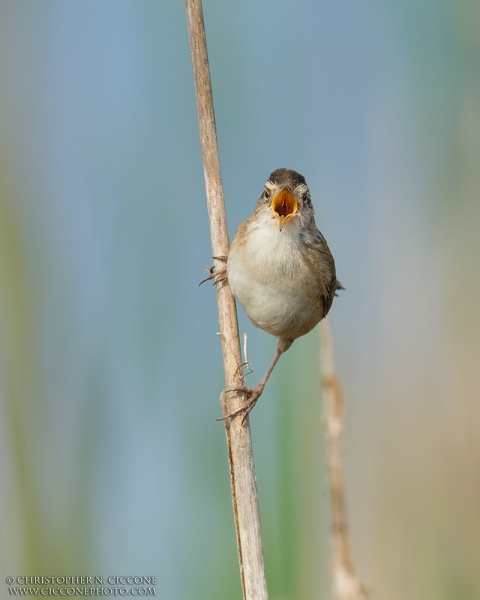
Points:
(221, 273)
(253, 394)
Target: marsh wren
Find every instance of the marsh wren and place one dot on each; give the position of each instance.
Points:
(280, 268)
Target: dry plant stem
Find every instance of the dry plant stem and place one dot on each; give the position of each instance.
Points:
(346, 584)
(242, 473)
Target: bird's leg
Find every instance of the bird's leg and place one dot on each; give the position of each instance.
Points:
(253, 394)
(221, 273)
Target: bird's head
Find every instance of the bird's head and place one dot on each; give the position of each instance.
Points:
(287, 196)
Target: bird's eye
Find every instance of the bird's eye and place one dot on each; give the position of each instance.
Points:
(266, 194)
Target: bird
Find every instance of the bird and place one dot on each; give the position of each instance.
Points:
(280, 269)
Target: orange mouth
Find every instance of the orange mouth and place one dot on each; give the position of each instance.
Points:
(285, 205)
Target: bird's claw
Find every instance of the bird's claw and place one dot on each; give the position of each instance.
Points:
(221, 274)
(253, 394)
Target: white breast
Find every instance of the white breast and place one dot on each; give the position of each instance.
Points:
(269, 275)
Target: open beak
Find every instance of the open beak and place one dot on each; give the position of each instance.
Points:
(285, 205)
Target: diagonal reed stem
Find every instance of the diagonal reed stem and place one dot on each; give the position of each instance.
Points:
(346, 584)
(239, 442)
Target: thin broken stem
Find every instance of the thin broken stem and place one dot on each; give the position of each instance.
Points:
(346, 584)
(239, 443)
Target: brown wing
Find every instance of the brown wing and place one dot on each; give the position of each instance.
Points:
(324, 267)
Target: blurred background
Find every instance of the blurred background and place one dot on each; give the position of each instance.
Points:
(111, 460)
